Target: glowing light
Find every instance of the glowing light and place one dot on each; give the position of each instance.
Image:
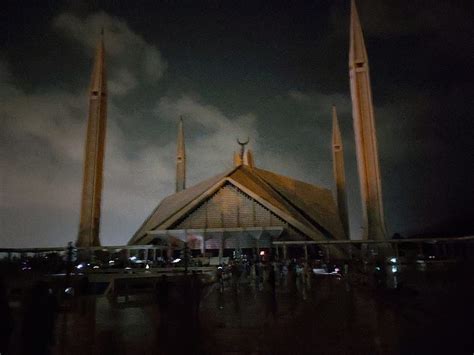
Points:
(262, 253)
(96, 267)
(393, 260)
(176, 261)
(111, 262)
(80, 266)
(394, 269)
(147, 266)
(133, 258)
(319, 271)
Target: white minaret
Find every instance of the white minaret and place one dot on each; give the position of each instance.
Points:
(180, 159)
(365, 133)
(94, 154)
(339, 172)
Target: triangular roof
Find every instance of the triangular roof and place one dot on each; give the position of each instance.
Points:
(306, 207)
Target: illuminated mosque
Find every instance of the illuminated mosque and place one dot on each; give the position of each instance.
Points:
(247, 208)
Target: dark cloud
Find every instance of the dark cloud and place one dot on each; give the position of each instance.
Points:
(270, 71)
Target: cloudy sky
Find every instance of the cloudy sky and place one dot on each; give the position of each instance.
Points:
(267, 70)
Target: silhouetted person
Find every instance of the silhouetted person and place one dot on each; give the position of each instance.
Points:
(220, 278)
(196, 290)
(292, 277)
(236, 273)
(38, 323)
(380, 275)
(220, 300)
(270, 294)
(6, 320)
(272, 278)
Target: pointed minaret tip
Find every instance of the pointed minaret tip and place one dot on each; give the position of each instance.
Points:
(365, 133)
(99, 81)
(339, 173)
(92, 183)
(357, 50)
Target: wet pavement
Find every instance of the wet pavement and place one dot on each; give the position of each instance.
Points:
(430, 313)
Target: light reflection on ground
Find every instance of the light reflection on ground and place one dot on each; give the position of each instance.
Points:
(429, 314)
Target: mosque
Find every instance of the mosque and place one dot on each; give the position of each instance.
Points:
(247, 208)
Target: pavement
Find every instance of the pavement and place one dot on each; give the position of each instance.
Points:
(429, 313)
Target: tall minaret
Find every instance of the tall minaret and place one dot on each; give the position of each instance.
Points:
(180, 159)
(339, 173)
(94, 153)
(365, 135)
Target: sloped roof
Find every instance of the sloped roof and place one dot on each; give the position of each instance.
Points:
(304, 206)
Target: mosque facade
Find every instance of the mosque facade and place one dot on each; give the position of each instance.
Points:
(247, 207)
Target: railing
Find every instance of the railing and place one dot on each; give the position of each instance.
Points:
(437, 247)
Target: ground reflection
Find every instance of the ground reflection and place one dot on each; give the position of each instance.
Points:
(270, 313)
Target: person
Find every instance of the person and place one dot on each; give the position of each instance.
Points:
(220, 278)
(380, 275)
(272, 278)
(307, 274)
(196, 289)
(284, 274)
(253, 274)
(235, 272)
(292, 277)
(270, 295)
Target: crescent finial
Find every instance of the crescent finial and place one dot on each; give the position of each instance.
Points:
(243, 143)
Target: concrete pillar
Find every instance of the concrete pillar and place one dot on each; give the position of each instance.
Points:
(146, 254)
(285, 252)
(221, 248)
(203, 245)
(169, 252)
(305, 252)
(277, 252)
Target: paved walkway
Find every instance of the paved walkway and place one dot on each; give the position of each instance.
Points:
(429, 314)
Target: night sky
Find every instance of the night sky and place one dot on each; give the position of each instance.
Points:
(267, 70)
